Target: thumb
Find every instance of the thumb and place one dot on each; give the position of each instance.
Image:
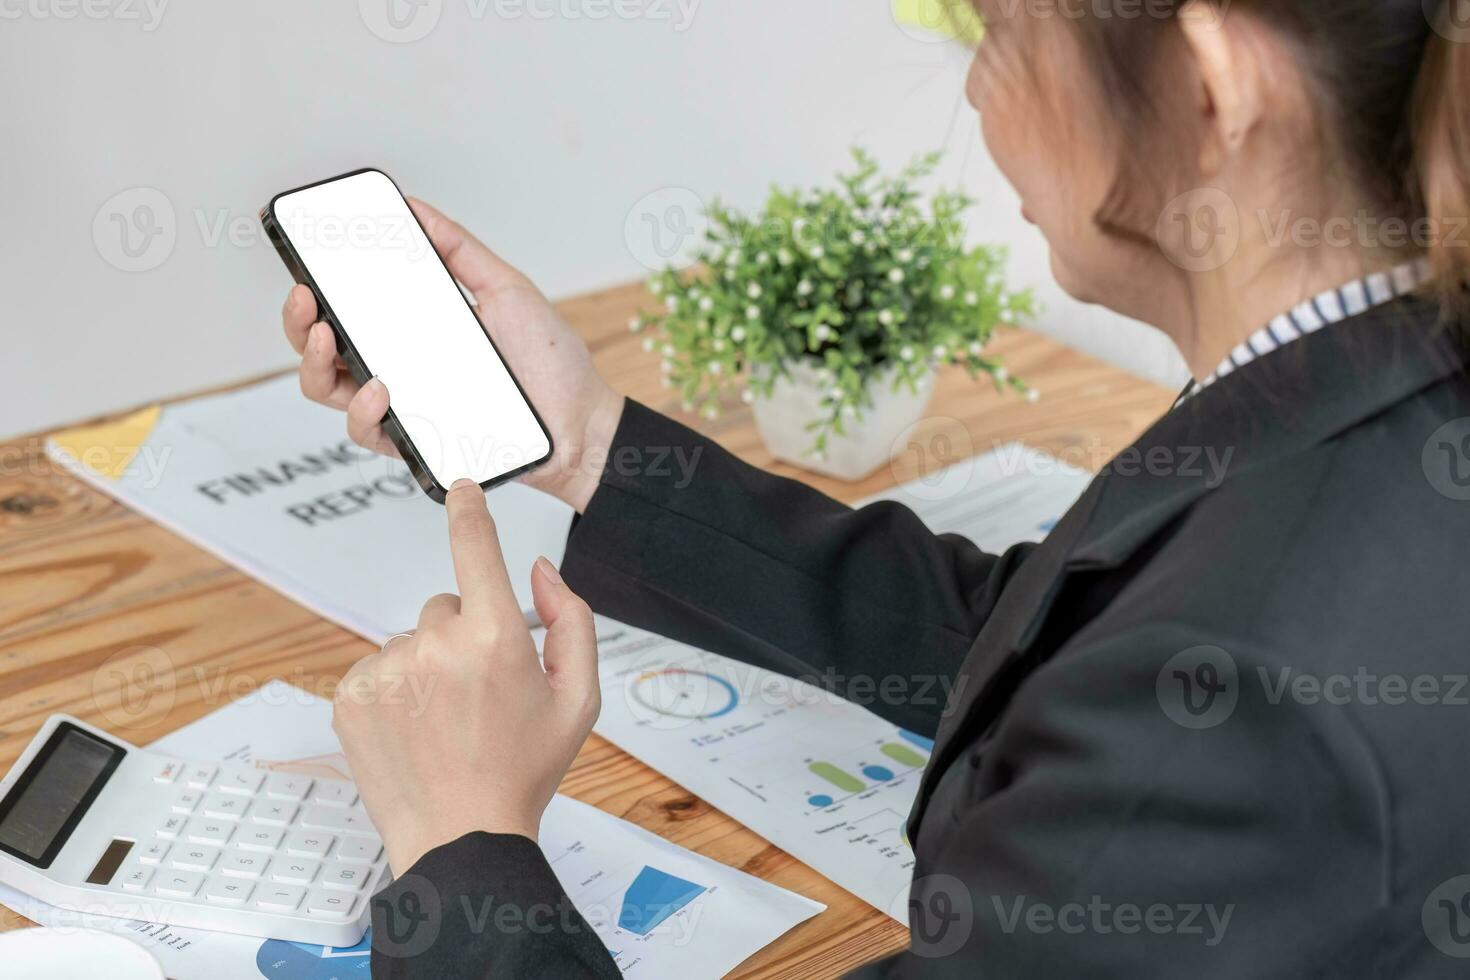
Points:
(570, 652)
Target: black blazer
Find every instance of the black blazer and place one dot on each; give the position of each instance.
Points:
(1210, 728)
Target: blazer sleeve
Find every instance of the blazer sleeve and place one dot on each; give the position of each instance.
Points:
(1097, 836)
(485, 905)
(684, 539)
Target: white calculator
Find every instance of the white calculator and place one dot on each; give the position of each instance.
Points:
(92, 823)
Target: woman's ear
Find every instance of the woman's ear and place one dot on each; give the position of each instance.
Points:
(1227, 55)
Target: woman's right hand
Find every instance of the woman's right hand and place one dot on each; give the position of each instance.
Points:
(551, 362)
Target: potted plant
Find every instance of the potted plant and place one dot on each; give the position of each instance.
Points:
(830, 311)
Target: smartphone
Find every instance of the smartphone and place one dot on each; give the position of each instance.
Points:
(398, 315)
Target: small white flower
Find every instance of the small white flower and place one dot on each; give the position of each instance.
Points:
(648, 343)
(711, 412)
(688, 406)
(825, 376)
(655, 286)
(858, 237)
(906, 352)
(784, 257)
(798, 226)
(823, 331)
(747, 396)
(971, 299)
(752, 312)
(716, 367)
(672, 304)
(849, 410)
(754, 290)
(817, 252)
(664, 382)
(946, 292)
(706, 304)
(885, 317)
(635, 324)
(668, 350)
(763, 258)
(1006, 316)
(667, 367)
(804, 288)
(976, 347)
(895, 275)
(718, 346)
(733, 258)
(737, 334)
(905, 255)
(940, 352)
(1033, 396)
(1002, 375)
(835, 394)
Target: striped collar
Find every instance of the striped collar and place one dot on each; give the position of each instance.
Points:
(1332, 306)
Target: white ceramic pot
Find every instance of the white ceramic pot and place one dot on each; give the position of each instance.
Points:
(867, 442)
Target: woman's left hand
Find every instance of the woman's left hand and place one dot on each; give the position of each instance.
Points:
(458, 727)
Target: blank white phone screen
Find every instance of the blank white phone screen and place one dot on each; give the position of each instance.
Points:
(402, 310)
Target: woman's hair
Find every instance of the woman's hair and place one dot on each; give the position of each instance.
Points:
(1391, 79)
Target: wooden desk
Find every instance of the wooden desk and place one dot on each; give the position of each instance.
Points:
(83, 579)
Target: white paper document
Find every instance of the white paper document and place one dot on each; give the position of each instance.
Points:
(825, 780)
(269, 483)
(661, 910)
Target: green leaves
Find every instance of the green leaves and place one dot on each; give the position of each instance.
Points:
(858, 278)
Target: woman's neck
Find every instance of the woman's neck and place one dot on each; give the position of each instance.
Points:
(1245, 294)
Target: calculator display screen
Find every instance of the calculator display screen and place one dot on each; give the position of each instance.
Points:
(51, 796)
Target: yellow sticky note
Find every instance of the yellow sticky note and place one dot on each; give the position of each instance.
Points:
(107, 449)
(950, 18)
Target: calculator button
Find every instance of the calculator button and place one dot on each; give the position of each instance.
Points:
(225, 806)
(295, 871)
(171, 828)
(200, 777)
(245, 782)
(168, 770)
(279, 898)
(154, 853)
(135, 877)
(334, 792)
(178, 884)
(352, 820)
(308, 845)
(345, 877)
(276, 813)
(195, 857)
(259, 838)
(330, 905)
(358, 850)
(223, 891)
(241, 864)
(186, 802)
(209, 831)
(287, 786)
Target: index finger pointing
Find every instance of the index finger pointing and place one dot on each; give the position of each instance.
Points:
(479, 567)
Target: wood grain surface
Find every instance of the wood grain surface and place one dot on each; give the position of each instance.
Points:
(88, 588)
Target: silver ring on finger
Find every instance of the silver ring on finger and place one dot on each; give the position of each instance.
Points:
(396, 636)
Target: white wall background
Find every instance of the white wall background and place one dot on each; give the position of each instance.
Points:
(535, 122)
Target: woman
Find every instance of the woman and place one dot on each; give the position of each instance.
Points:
(1208, 730)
